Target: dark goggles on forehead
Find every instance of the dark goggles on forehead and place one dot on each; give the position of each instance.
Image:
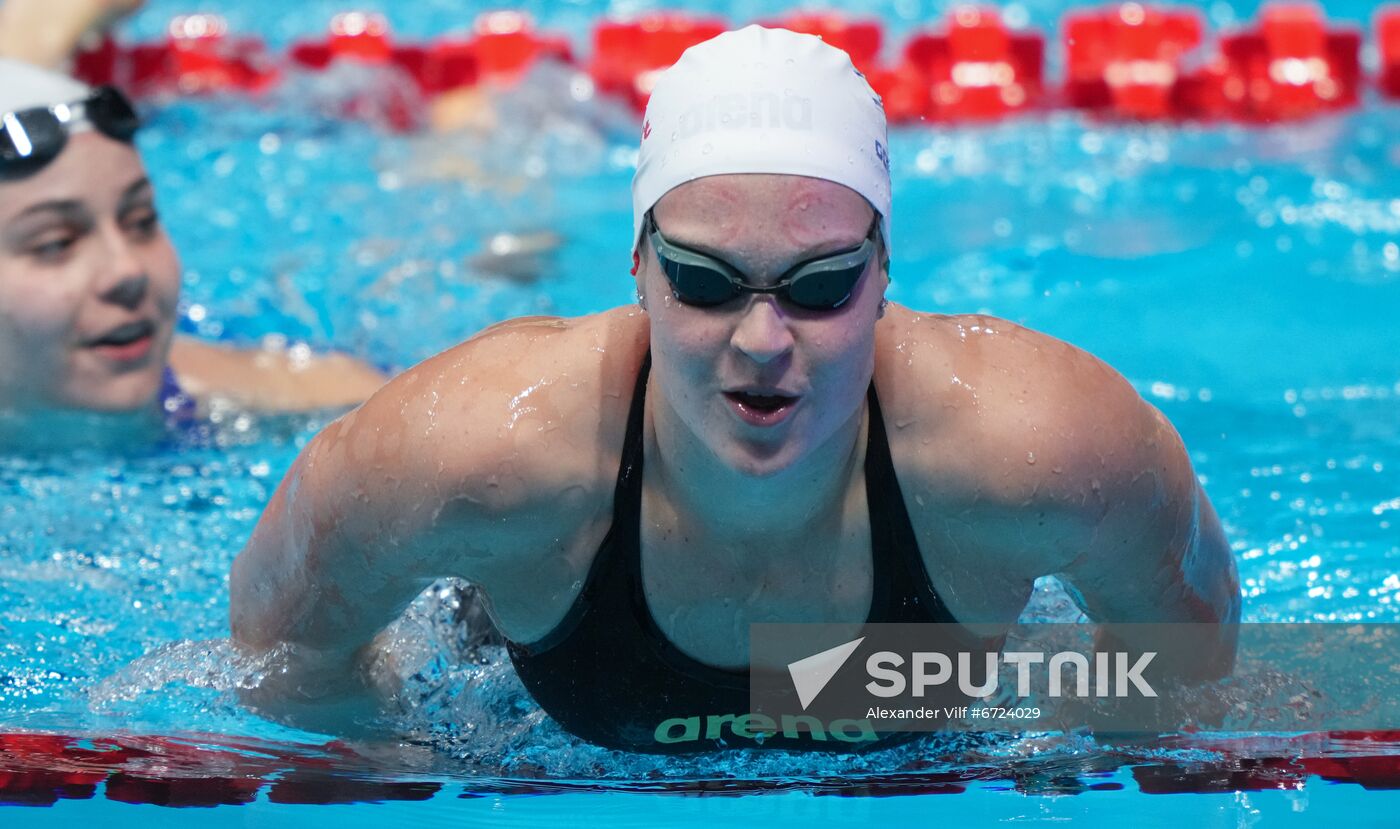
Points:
(31, 138)
(820, 284)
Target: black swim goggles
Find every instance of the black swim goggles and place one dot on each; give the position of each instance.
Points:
(31, 138)
(820, 284)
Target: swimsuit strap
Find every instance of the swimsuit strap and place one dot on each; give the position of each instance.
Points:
(177, 407)
(903, 589)
(606, 569)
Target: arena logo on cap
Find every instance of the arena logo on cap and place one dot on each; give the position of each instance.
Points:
(882, 154)
(756, 110)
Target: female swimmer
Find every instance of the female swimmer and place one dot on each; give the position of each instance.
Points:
(764, 439)
(89, 278)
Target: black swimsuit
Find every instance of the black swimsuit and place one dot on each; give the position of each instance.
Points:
(608, 674)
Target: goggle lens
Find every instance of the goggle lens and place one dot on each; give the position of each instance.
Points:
(31, 138)
(823, 284)
(112, 113)
(825, 289)
(698, 284)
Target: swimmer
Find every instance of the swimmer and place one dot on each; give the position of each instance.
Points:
(762, 438)
(89, 279)
(47, 32)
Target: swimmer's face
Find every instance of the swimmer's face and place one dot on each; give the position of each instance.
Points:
(709, 359)
(88, 283)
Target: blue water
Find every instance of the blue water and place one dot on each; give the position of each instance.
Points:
(1245, 280)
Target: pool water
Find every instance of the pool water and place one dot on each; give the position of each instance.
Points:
(1246, 281)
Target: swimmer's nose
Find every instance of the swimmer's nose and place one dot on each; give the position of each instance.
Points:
(128, 291)
(762, 333)
(125, 281)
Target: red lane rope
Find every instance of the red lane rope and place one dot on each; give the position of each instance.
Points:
(215, 770)
(1127, 61)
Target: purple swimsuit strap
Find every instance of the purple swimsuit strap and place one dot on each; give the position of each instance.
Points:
(175, 404)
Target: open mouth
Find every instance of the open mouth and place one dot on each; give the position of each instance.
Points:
(127, 344)
(761, 409)
(761, 402)
(126, 334)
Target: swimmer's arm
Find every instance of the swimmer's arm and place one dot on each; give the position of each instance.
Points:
(47, 32)
(294, 598)
(426, 480)
(353, 534)
(283, 380)
(1056, 466)
(1150, 547)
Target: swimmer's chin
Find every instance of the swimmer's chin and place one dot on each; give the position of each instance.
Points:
(91, 383)
(760, 465)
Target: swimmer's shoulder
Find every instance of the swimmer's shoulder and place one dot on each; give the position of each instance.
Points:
(520, 426)
(987, 417)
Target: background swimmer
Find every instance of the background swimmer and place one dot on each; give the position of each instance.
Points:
(764, 439)
(89, 280)
(479, 134)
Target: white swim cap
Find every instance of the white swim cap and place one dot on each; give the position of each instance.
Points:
(763, 101)
(24, 86)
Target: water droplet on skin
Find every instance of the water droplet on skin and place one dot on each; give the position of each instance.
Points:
(1030, 458)
(1056, 469)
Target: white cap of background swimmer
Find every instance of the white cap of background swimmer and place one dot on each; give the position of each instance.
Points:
(763, 101)
(24, 86)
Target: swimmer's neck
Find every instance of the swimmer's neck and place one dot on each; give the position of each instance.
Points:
(732, 503)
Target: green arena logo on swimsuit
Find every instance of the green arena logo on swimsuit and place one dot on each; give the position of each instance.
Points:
(760, 726)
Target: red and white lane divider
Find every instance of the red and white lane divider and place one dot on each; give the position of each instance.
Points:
(1128, 61)
(1388, 37)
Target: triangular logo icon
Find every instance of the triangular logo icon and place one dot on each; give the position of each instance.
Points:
(811, 674)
